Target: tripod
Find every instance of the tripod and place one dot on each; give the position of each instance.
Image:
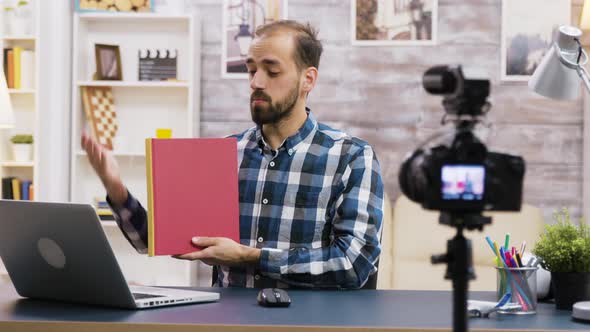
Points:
(459, 261)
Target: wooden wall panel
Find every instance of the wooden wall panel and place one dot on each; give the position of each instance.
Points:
(376, 93)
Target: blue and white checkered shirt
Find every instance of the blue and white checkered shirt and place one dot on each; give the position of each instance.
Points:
(314, 207)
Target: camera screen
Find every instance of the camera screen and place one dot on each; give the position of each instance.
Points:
(463, 182)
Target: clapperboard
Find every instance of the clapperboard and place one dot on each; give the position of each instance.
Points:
(157, 64)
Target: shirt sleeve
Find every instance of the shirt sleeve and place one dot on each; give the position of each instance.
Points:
(351, 258)
(132, 220)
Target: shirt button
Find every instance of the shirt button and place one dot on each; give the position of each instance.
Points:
(272, 164)
(265, 201)
(260, 239)
(257, 277)
(290, 152)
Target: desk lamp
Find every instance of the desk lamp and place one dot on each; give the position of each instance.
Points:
(558, 74)
(557, 77)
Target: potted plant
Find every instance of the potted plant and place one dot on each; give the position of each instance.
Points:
(564, 249)
(19, 18)
(22, 147)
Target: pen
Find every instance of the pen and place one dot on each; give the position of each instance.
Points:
(513, 251)
(522, 247)
(489, 241)
(518, 259)
(507, 241)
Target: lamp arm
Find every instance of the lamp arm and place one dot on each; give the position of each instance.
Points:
(583, 73)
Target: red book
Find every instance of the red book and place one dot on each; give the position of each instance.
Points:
(192, 191)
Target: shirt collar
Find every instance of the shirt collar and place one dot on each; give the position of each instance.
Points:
(292, 142)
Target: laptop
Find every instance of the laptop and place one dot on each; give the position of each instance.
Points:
(59, 251)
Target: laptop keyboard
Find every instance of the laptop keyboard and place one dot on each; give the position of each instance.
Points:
(140, 296)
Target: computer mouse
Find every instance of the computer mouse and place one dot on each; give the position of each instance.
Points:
(273, 297)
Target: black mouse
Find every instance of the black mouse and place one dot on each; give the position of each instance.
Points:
(273, 297)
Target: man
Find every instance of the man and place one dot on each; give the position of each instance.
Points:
(311, 197)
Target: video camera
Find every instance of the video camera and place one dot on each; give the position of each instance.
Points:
(462, 175)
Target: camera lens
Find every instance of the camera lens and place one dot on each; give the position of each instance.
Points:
(439, 80)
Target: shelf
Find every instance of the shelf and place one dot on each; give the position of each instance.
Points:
(20, 38)
(135, 84)
(117, 154)
(131, 16)
(21, 91)
(17, 163)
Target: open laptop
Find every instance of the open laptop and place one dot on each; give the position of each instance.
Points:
(59, 251)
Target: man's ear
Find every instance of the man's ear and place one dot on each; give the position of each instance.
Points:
(310, 77)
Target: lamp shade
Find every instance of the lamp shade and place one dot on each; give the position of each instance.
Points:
(6, 114)
(555, 77)
(585, 17)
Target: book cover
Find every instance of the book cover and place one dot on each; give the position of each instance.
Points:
(16, 189)
(27, 69)
(32, 192)
(192, 191)
(10, 71)
(25, 190)
(7, 188)
(17, 67)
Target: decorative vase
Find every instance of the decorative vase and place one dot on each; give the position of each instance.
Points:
(22, 152)
(569, 288)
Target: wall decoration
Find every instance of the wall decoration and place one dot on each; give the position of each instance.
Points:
(157, 64)
(394, 22)
(527, 32)
(114, 5)
(240, 19)
(99, 108)
(108, 62)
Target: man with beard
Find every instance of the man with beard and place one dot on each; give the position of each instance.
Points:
(311, 197)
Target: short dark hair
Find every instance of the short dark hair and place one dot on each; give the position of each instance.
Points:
(308, 49)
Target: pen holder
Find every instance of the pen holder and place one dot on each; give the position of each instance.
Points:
(521, 282)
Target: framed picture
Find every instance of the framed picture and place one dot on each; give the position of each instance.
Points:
(527, 32)
(108, 62)
(239, 21)
(393, 22)
(114, 6)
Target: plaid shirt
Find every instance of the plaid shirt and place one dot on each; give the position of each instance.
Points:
(314, 207)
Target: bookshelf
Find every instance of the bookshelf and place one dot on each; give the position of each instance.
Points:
(25, 104)
(25, 101)
(141, 108)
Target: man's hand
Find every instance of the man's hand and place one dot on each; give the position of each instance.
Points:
(222, 251)
(106, 168)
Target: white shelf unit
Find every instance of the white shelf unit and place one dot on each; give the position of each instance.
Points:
(141, 108)
(25, 104)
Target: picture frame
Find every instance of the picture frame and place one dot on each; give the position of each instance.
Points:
(239, 21)
(85, 6)
(394, 22)
(528, 27)
(108, 62)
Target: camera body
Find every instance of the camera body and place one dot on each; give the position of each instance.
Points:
(462, 176)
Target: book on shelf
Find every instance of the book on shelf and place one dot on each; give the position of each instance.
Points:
(19, 66)
(103, 210)
(17, 189)
(192, 191)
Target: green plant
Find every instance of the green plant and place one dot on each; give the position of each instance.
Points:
(22, 3)
(565, 246)
(22, 139)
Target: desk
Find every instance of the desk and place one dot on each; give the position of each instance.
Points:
(237, 311)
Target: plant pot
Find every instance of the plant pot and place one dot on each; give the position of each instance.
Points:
(19, 26)
(569, 288)
(22, 152)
